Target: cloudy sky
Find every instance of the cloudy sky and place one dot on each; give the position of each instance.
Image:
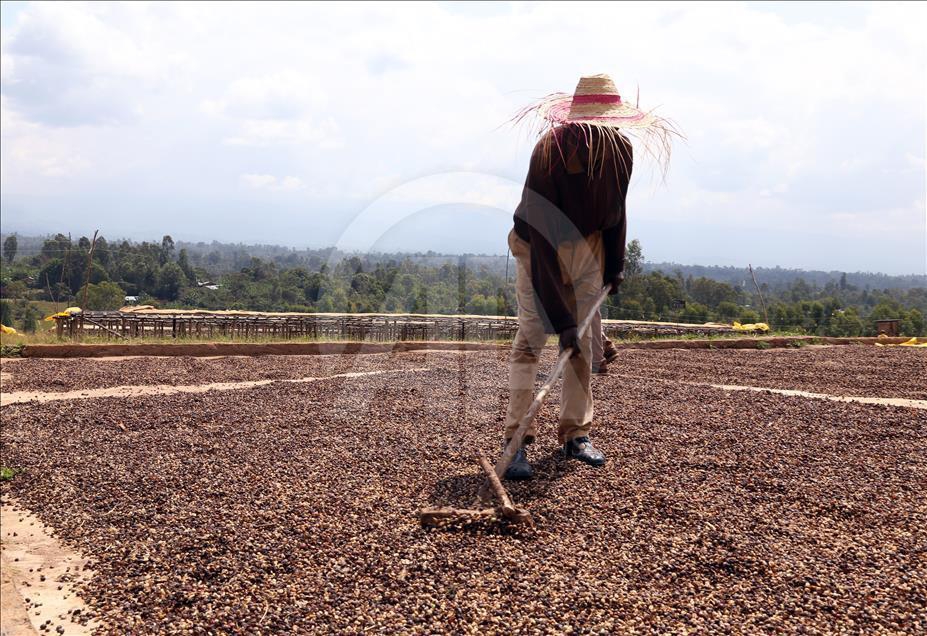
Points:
(381, 126)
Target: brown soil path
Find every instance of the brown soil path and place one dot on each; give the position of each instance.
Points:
(882, 401)
(167, 389)
(39, 575)
(914, 404)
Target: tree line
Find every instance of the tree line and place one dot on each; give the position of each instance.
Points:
(203, 276)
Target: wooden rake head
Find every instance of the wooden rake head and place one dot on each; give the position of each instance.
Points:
(504, 509)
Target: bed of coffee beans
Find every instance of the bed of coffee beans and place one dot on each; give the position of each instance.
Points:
(292, 507)
(860, 370)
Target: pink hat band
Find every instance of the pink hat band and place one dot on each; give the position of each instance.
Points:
(597, 99)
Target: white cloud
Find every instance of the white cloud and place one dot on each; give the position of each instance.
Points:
(275, 109)
(272, 183)
(272, 132)
(422, 196)
(283, 95)
(291, 183)
(74, 64)
(258, 181)
(791, 114)
(751, 134)
(29, 149)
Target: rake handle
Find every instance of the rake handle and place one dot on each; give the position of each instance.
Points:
(504, 502)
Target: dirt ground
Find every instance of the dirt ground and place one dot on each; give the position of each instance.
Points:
(38, 578)
(291, 506)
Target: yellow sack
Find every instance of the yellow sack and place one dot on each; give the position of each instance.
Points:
(8, 330)
(129, 309)
(70, 311)
(754, 326)
(907, 343)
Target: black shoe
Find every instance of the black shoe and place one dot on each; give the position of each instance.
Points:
(519, 469)
(582, 449)
(601, 369)
(610, 353)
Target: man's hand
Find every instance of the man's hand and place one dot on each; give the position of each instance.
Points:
(613, 282)
(569, 339)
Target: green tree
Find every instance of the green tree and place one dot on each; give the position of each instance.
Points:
(503, 306)
(105, 296)
(183, 261)
(52, 271)
(6, 313)
(709, 292)
(694, 313)
(628, 310)
(56, 247)
(9, 248)
(170, 281)
(167, 250)
(814, 315)
(749, 317)
(15, 289)
(783, 315)
(845, 323)
(913, 324)
(886, 310)
(800, 290)
(30, 319)
(101, 252)
(662, 290)
(60, 293)
(727, 310)
(633, 259)
(482, 306)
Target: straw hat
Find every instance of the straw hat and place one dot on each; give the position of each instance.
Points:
(596, 102)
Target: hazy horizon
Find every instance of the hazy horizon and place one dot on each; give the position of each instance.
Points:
(181, 240)
(375, 127)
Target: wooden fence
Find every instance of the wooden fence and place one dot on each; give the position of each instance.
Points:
(370, 327)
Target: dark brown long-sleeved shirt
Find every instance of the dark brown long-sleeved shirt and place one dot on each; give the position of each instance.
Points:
(571, 193)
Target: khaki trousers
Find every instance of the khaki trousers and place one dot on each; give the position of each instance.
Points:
(581, 264)
(599, 341)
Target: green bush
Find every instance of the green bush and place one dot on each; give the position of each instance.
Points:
(6, 313)
(11, 351)
(30, 320)
(727, 310)
(694, 313)
(913, 324)
(844, 324)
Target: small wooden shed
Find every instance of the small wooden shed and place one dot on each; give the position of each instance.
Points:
(890, 327)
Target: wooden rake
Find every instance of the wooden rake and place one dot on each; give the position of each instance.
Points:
(504, 508)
